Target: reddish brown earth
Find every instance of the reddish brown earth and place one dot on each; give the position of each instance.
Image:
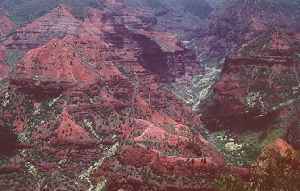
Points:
(91, 90)
(69, 132)
(258, 86)
(89, 101)
(54, 63)
(238, 22)
(55, 24)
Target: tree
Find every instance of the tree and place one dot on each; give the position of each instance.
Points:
(272, 172)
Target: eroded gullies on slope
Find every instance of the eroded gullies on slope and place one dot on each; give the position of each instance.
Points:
(90, 102)
(70, 116)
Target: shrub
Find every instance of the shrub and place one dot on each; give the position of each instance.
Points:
(273, 172)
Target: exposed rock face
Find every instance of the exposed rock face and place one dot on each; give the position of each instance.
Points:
(69, 132)
(259, 85)
(159, 56)
(182, 17)
(93, 92)
(282, 147)
(56, 24)
(163, 152)
(54, 66)
(157, 52)
(95, 99)
(279, 155)
(240, 21)
(24, 12)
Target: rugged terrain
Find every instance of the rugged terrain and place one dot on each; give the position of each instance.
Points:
(86, 98)
(144, 95)
(254, 99)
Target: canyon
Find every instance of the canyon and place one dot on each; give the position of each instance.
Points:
(144, 95)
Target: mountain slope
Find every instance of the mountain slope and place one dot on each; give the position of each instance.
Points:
(240, 21)
(55, 24)
(90, 90)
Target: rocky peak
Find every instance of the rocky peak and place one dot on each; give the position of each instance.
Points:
(53, 65)
(103, 79)
(260, 81)
(55, 24)
(240, 21)
(69, 132)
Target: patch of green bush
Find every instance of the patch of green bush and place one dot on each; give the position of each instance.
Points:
(248, 146)
(274, 172)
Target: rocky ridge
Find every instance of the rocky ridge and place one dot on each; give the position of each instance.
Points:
(91, 97)
(90, 90)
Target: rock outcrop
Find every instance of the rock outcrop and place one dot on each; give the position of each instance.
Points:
(69, 132)
(92, 93)
(241, 21)
(259, 85)
(53, 67)
(165, 152)
(55, 24)
(91, 90)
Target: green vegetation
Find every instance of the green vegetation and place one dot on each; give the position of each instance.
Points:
(271, 135)
(231, 183)
(244, 149)
(235, 151)
(275, 172)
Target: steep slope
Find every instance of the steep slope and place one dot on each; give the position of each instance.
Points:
(23, 11)
(182, 17)
(53, 65)
(166, 14)
(240, 21)
(258, 87)
(253, 100)
(91, 90)
(55, 24)
(91, 105)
